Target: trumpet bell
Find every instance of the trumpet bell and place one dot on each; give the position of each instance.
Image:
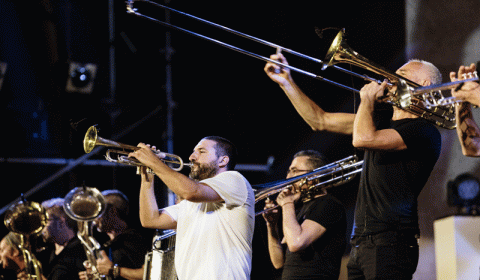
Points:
(119, 155)
(26, 218)
(84, 204)
(90, 140)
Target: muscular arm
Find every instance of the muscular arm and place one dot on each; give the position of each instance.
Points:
(150, 216)
(312, 114)
(275, 248)
(131, 273)
(298, 237)
(365, 133)
(467, 130)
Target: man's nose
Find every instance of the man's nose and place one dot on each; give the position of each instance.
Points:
(193, 157)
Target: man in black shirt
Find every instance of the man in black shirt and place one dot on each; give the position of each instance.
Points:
(65, 259)
(123, 255)
(314, 231)
(399, 158)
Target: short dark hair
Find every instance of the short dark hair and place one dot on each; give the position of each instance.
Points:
(315, 158)
(117, 199)
(224, 147)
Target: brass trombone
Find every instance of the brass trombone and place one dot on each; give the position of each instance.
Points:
(120, 154)
(330, 175)
(426, 102)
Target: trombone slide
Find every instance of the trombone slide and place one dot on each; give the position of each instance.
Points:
(330, 175)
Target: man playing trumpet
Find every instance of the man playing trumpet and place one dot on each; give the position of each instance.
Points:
(215, 219)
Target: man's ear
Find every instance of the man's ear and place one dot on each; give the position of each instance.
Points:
(223, 161)
(425, 83)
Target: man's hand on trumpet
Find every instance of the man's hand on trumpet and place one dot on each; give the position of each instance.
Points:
(469, 92)
(147, 156)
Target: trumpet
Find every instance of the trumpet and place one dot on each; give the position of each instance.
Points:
(120, 155)
(330, 175)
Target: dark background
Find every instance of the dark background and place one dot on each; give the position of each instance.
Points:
(215, 90)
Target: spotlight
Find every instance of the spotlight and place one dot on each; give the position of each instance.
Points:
(80, 77)
(3, 70)
(464, 192)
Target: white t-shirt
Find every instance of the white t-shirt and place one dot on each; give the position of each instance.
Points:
(214, 240)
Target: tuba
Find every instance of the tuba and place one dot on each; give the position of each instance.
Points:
(85, 204)
(27, 219)
(330, 175)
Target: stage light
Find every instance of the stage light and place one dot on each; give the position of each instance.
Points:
(3, 70)
(81, 77)
(464, 192)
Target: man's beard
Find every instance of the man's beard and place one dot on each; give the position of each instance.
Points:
(203, 171)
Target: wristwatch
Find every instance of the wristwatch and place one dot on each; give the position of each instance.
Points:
(116, 271)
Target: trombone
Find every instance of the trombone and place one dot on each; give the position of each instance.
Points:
(428, 104)
(330, 175)
(121, 151)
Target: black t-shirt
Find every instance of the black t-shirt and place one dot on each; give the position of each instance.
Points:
(322, 259)
(67, 264)
(128, 249)
(392, 180)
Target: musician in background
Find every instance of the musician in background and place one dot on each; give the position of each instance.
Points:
(11, 257)
(400, 154)
(214, 221)
(467, 129)
(314, 231)
(65, 259)
(123, 255)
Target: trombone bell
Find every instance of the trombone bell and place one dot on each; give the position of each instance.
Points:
(405, 97)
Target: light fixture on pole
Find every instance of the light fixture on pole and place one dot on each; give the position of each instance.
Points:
(81, 77)
(464, 192)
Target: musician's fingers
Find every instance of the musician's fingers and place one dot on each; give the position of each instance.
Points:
(453, 76)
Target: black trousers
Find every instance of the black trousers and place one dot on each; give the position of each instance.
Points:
(388, 255)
